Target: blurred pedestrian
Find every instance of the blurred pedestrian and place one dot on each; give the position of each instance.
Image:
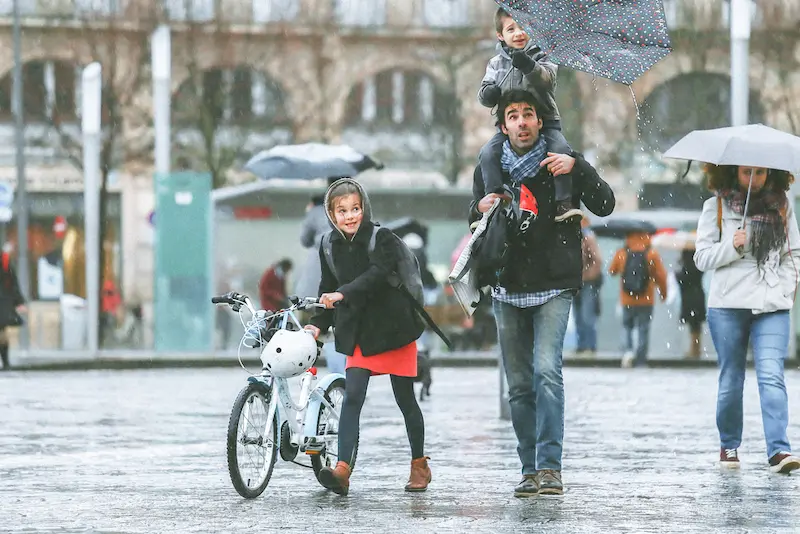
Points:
(375, 325)
(642, 271)
(693, 301)
(586, 305)
(272, 286)
(755, 259)
(12, 303)
(315, 225)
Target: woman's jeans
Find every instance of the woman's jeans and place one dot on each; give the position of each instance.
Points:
(731, 329)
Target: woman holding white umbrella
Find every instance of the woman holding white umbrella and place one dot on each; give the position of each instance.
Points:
(748, 235)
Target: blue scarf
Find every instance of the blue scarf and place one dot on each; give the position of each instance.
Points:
(521, 167)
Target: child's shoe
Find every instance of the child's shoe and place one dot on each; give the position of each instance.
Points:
(565, 211)
(337, 479)
(420, 475)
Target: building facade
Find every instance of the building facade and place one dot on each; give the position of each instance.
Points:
(396, 79)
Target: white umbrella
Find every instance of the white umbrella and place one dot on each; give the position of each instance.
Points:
(309, 161)
(754, 145)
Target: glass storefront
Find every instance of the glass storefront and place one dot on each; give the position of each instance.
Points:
(56, 260)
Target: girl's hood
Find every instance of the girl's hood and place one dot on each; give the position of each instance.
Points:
(365, 205)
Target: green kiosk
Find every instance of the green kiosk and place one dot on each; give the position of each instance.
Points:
(183, 313)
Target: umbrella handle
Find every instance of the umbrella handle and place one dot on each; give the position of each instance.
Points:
(747, 200)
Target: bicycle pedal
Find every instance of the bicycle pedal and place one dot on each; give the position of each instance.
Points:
(314, 449)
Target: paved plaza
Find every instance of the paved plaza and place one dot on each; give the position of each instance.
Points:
(143, 451)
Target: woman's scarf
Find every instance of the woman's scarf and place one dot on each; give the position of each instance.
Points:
(767, 217)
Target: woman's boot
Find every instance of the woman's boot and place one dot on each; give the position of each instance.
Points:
(4, 356)
(420, 475)
(337, 479)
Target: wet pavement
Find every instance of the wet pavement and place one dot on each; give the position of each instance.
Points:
(144, 451)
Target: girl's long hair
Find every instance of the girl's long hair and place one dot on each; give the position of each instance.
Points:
(724, 177)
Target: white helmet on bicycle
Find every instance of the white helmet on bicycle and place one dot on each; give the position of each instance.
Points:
(289, 353)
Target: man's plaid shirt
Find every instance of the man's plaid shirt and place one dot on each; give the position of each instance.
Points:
(525, 300)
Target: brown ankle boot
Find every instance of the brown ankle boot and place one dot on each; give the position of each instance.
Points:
(420, 475)
(337, 479)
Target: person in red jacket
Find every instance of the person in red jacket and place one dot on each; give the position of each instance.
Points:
(272, 286)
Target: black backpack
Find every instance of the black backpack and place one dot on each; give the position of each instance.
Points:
(636, 274)
(407, 279)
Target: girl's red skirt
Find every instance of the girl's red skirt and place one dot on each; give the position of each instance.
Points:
(398, 362)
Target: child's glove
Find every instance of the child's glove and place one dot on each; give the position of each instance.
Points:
(491, 94)
(523, 62)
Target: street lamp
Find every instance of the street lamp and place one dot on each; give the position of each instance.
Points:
(161, 59)
(91, 106)
(740, 70)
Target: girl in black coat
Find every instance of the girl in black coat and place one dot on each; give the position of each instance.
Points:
(375, 325)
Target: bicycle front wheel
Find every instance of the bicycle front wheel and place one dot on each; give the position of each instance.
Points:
(251, 445)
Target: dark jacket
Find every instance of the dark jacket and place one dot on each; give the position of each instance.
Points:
(10, 296)
(373, 315)
(693, 296)
(548, 255)
(272, 289)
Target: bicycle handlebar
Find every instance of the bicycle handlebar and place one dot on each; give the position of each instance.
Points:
(237, 300)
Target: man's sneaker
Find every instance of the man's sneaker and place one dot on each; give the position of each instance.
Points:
(528, 486)
(627, 360)
(729, 458)
(784, 463)
(565, 211)
(550, 482)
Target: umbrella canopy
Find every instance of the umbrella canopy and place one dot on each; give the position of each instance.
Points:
(309, 161)
(754, 145)
(620, 228)
(674, 240)
(615, 39)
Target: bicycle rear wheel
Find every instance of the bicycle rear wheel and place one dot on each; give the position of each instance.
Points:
(328, 426)
(251, 445)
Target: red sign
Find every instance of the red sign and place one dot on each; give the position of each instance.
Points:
(60, 226)
(252, 212)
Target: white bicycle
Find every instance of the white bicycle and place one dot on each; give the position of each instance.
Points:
(265, 419)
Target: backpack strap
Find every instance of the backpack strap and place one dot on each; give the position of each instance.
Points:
(327, 251)
(373, 238)
(719, 216)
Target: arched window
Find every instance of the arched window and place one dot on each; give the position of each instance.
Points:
(232, 96)
(695, 101)
(49, 91)
(397, 97)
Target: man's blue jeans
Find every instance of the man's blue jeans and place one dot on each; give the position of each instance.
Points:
(636, 319)
(585, 311)
(731, 329)
(531, 344)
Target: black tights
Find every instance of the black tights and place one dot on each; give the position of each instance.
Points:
(356, 392)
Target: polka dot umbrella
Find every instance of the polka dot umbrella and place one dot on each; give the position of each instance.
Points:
(615, 39)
